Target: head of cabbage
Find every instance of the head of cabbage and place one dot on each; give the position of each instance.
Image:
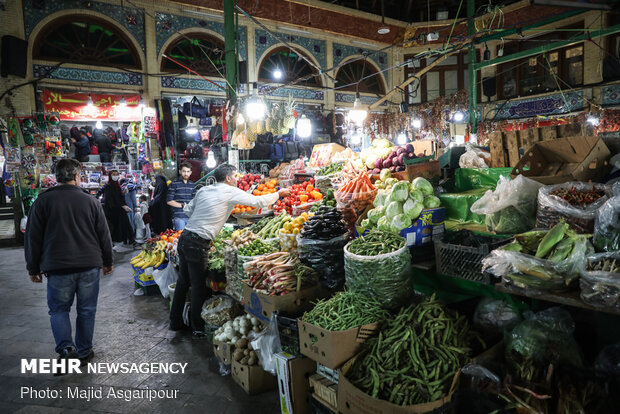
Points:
(383, 224)
(413, 208)
(400, 191)
(380, 198)
(422, 185)
(400, 223)
(431, 202)
(393, 209)
(375, 214)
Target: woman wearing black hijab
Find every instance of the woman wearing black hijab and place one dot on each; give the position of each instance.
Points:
(159, 210)
(116, 210)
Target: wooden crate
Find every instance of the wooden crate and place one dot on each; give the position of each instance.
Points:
(548, 133)
(496, 143)
(529, 137)
(325, 390)
(512, 147)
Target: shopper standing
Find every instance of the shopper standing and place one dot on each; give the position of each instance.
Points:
(143, 232)
(82, 145)
(67, 239)
(161, 219)
(104, 144)
(116, 211)
(131, 199)
(180, 192)
(207, 212)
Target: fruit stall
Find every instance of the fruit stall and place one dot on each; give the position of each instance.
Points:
(383, 284)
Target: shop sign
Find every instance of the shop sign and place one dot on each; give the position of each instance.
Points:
(74, 106)
(546, 105)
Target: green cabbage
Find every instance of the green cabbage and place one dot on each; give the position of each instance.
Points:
(416, 195)
(431, 202)
(385, 174)
(423, 185)
(366, 224)
(375, 214)
(380, 198)
(413, 208)
(393, 209)
(400, 191)
(401, 222)
(383, 224)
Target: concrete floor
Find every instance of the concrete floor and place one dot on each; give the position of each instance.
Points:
(128, 329)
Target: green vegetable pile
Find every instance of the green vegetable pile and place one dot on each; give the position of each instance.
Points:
(508, 221)
(216, 254)
(328, 200)
(415, 356)
(271, 226)
(330, 169)
(376, 242)
(256, 248)
(345, 310)
(397, 209)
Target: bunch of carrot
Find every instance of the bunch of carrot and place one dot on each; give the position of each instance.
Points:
(359, 188)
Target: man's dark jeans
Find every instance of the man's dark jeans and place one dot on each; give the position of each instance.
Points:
(193, 253)
(61, 290)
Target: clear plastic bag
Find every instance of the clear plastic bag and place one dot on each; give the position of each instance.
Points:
(326, 257)
(530, 272)
(288, 242)
(267, 345)
(303, 208)
(385, 277)
(552, 208)
(480, 374)
(511, 208)
(495, 315)
(601, 288)
(352, 205)
(224, 369)
(219, 309)
(164, 278)
(542, 339)
(474, 157)
(607, 224)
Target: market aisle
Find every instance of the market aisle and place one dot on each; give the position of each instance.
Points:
(128, 329)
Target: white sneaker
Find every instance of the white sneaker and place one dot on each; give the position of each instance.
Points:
(119, 248)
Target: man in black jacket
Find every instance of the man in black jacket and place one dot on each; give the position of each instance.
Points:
(104, 146)
(67, 239)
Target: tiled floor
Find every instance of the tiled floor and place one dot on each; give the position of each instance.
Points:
(129, 329)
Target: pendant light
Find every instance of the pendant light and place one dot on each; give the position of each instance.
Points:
(304, 126)
(359, 112)
(211, 163)
(255, 108)
(383, 29)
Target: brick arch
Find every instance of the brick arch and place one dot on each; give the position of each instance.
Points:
(51, 22)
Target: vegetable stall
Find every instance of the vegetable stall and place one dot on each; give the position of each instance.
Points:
(406, 291)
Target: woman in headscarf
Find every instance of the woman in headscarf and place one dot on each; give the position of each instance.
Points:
(159, 210)
(116, 211)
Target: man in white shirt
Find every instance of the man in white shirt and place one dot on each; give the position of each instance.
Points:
(208, 212)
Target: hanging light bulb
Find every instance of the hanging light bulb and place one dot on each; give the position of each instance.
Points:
(592, 120)
(240, 119)
(98, 125)
(255, 108)
(359, 112)
(304, 126)
(277, 74)
(401, 139)
(142, 103)
(417, 123)
(122, 103)
(90, 104)
(487, 53)
(458, 116)
(191, 131)
(211, 163)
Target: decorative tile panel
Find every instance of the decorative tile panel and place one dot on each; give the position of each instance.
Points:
(175, 82)
(130, 18)
(545, 105)
(299, 93)
(167, 26)
(341, 52)
(264, 40)
(611, 95)
(86, 75)
(350, 98)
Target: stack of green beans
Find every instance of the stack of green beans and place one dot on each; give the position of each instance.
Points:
(415, 356)
(345, 310)
(376, 242)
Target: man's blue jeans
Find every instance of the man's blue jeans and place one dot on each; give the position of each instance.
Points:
(61, 289)
(179, 223)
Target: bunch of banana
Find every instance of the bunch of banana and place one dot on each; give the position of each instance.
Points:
(150, 257)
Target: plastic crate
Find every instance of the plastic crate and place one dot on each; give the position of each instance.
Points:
(289, 334)
(149, 290)
(465, 262)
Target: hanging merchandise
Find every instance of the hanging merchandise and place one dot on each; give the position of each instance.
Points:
(14, 132)
(135, 132)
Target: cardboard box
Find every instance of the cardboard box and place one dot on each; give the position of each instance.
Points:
(293, 373)
(568, 159)
(253, 379)
(352, 400)
(325, 391)
(428, 227)
(332, 348)
(262, 306)
(223, 351)
(322, 154)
